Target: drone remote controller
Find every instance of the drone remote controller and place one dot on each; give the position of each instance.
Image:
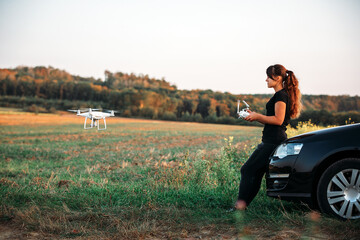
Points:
(243, 113)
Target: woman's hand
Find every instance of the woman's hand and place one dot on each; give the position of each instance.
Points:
(253, 116)
(278, 119)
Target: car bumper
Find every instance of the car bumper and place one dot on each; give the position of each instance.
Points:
(284, 182)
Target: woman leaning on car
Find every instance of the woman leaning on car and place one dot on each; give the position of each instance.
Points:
(285, 104)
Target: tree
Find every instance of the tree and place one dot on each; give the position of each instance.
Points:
(203, 107)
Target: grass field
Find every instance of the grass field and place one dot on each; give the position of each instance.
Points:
(139, 179)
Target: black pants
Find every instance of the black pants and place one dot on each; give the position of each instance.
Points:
(253, 171)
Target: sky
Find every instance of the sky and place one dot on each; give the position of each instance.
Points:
(219, 45)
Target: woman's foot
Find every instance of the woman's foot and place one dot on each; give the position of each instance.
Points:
(240, 205)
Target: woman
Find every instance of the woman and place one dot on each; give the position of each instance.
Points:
(285, 104)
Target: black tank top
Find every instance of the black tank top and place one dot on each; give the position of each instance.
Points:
(274, 133)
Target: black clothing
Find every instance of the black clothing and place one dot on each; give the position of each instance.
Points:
(253, 171)
(256, 166)
(275, 133)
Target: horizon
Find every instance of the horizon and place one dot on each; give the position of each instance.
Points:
(221, 46)
(176, 85)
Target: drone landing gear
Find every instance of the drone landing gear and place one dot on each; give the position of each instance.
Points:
(91, 124)
(98, 124)
(94, 123)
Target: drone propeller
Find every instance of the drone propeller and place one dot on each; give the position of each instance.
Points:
(88, 109)
(107, 110)
(112, 112)
(77, 111)
(81, 109)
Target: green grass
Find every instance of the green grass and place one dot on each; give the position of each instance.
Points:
(146, 179)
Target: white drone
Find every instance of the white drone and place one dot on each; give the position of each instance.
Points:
(243, 113)
(95, 116)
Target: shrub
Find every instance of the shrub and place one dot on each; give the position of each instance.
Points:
(198, 117)
(302, 127)
(147, 112)
(211, 118)
(126, 113)
(186, 117)
(35, 109)
(226, 120)
(170, 116)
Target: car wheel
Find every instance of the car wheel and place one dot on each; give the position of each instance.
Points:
(338, 191)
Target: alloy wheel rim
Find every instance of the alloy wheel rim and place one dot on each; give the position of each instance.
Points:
(343, 193)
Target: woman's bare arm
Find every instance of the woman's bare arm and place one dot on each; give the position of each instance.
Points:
(278, 119)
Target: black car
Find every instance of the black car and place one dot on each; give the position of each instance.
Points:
(321, 168)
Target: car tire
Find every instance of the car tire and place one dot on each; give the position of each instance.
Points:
(338, 191)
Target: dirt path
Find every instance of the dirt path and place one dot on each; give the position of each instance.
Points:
(10, 232)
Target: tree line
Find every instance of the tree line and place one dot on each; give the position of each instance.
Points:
(47, 89)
